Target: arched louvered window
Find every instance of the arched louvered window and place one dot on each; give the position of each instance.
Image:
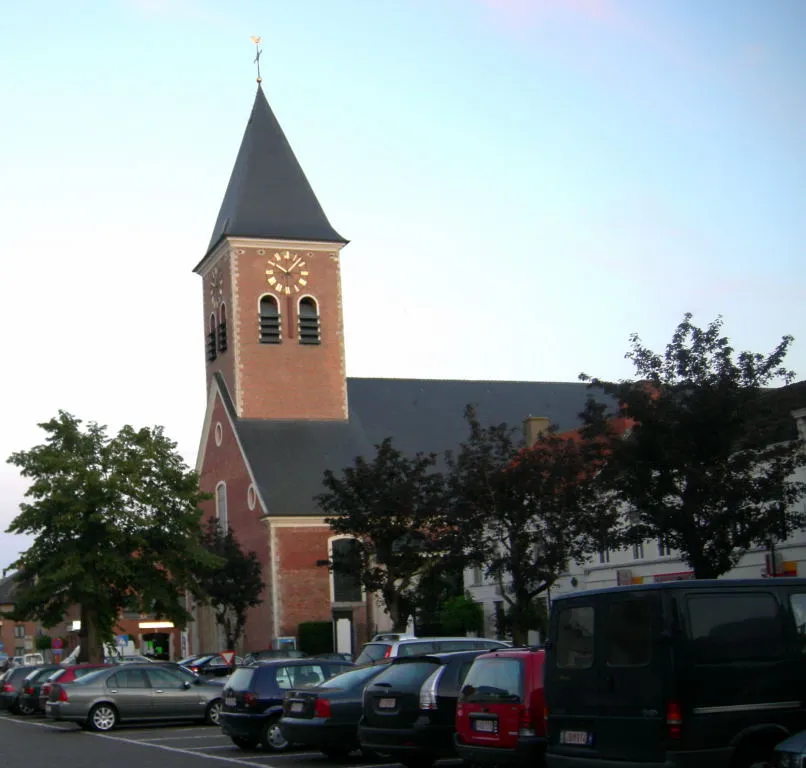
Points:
(308, 321)
(211, 339)
(222, 328)
(221, 506)
(269, 320)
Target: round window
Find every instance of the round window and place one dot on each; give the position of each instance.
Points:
(219, 433)
(251, 497)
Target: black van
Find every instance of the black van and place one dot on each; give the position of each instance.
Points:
(683, 673)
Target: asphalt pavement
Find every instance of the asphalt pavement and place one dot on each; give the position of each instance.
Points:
(27, 742)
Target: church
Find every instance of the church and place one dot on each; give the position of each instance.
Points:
(281, 408)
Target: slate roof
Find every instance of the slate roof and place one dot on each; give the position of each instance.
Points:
(7, 586)
(290, 457)
(268, 195)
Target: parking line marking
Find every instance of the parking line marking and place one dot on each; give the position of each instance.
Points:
(235, 760)
(185, 738)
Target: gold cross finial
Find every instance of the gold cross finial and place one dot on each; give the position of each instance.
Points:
(258, 51)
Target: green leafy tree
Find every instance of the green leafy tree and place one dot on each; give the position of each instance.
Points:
(114, 520)
(701, 468)
(460, 615)
(235, 587)
(389, 504)
(522, 513)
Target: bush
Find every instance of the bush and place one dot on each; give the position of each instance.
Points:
(460, 615)
(43, 643)
(315, 637)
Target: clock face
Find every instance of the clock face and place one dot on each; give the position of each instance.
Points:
(216, 286)
(286, 273)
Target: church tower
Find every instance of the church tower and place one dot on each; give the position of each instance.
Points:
(272, 290)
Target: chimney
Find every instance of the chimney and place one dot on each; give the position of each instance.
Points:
(533, 427)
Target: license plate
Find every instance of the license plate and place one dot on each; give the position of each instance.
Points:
(386, 703)
(297, 706)
(229, 701)
(484, 726)
(575, 737)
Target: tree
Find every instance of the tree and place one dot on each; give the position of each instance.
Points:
(235, 587)
(523, 513)
(700, 469)
(389, 505)
(115, 522)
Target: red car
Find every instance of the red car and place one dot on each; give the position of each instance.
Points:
(66, 674)
(500, 712)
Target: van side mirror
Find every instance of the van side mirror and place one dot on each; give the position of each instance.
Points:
(186, 684)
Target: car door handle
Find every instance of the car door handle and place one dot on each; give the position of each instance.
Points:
(159, 690)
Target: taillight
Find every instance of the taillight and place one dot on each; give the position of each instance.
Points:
(249, 699)
(525, 723)
(674, 720)
(28, 690)
(194, 670)
(45, 689)
(428, 691)
(388, 652)
(62, 695)
(321, 708)
(8, 688)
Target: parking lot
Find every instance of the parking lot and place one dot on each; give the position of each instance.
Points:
(27, 742)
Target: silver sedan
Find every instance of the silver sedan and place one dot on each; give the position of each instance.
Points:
(131, 692)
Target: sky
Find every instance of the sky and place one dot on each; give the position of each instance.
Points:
(524, 183)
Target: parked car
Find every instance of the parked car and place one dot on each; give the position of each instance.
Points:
(703, 671)
(132, 692)
(64, 674)
(272, 653)
(133, 658)
(499, 716)
(28, 702)
(409, 646)
(409, 709)
(334, 656)
(325, 717)
(12, 681)
(253, 698)
(791, 752)
(212, 665)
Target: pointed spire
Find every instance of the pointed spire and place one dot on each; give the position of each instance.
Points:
(268, 195)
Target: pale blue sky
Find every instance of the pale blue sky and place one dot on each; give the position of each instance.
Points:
(524, 182)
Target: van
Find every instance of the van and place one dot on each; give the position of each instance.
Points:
(500, 714)
(683, 673)
(411, 646)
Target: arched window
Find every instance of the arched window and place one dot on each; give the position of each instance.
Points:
(222, 328)
(308, 321)
(211, 339)
(269, 320)
(221, 506)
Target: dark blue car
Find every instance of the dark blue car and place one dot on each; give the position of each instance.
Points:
(253, 698)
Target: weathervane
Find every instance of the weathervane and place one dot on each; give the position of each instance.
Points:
(256, 41)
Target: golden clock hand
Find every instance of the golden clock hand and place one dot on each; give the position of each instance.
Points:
(294, 264)
(278, 267)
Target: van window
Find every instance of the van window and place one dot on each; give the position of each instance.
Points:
(444, 646)
(628, 633)
(798, 604)
(493, 680)
(735, 627)
(575, 637)
(415, 649)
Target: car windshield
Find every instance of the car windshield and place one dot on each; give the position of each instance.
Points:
(493, 680)
(372, 652)
(241, 679)
(90, 678)
(351, 679)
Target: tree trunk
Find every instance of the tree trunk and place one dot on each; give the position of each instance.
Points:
(393, 608)
(91, 650)
(520, 632)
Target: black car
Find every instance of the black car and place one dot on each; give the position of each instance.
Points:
(11, 685)
(253, 698)
(409, 709)
(326, 716)
(210, 665)
(272, 653)
(28, 702)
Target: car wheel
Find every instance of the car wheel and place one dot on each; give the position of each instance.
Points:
(213, 712)
(272, 737)
(336, 753)
(243, 742)
(102, 717)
